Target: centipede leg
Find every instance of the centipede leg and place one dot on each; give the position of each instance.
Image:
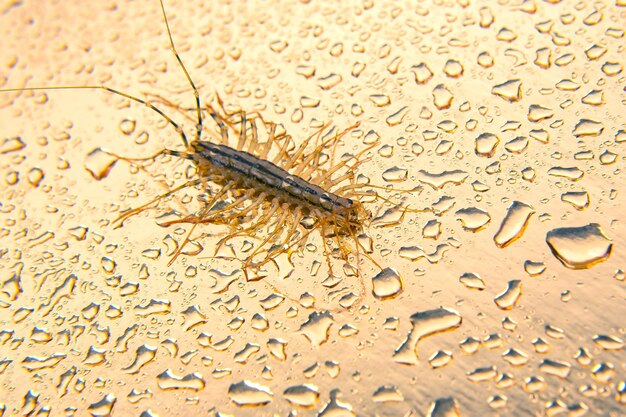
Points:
(267, 147)
(219, 121)
(179, 154)
(162, 100)
(327, 253)
(254, 137)
(339, 180)
(242, 131)
(262, 221)
(350, 187)
(203, 213)
(328, 174)
(234, 114)
(180, 247)
(342, 249)
(212, 216)
(310, 164)
(282, 153)
(300, 151)
(339, 136)
(284, 246)
(255, 205)
(143, 207)
(277, 230)
(231, 206)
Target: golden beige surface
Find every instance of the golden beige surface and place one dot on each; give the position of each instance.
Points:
(508, 115)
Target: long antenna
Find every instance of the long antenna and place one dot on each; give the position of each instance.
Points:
(146, 103)
(180, 61)
(110, 90)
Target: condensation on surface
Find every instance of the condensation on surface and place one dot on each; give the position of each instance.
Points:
(501, 293)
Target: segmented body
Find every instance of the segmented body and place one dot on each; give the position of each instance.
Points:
(272, 176)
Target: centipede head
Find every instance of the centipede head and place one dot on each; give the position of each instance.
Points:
(355, 216)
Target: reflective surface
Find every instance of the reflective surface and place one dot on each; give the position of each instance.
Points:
(507, 295)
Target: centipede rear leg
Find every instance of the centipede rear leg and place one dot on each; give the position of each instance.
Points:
(286, 225)
(264, 217)
(201, 215)
(274, 230)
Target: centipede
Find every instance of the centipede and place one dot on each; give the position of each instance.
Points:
(258, 183)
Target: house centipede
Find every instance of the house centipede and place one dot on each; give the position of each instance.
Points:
(290, 191)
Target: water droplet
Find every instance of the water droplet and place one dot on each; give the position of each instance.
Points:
(153, 307)
(510, 90)
(507, 299)
(95, 356)
(534, 268)
(99, 163)
(608, 342)
(440, 359)
(540, 345)
(537, 113)
(472, 280)
(278, 46)
(317, 327)
(442, 97)
(515, 357)
(485, 59)
(330, 81)
(453, 68)
(444, 407)
(578, 199)
(13, 144)
(396, 118)
(513, 224)
(557, 368)
(167, 380)
(486, 144)
(580, 247)
(594, 98)
(554, 332)
(303, 395)
(380, 100)
(570, 173)
(127, 126)
(35, 176)
(425, 323)
(395, 174)
(506, 35)
(422, 73)
(439, 180)
(104, 407)
(143, 356)
(588, 127)
(386, 394)
(612, 68)
(534, 384)
(432, 230)
(603, 372)
(543, 59)
(517, 145)
(387, 284)
(35, 363)
(473, 219)
(246, 393)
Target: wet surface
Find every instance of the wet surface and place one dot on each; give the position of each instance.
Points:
(501, 285)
